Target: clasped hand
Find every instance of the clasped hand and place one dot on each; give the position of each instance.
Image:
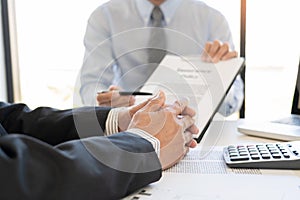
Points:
(173, 125)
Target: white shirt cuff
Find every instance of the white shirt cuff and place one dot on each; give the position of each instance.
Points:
(112, 127)
(153, 140)
(112, 121)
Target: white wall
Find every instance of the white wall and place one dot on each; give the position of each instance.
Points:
(3, 95)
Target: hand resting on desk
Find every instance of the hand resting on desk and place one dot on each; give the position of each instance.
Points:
(173, 125)
(112, 98)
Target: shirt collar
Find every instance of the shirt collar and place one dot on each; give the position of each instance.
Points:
(168, 8)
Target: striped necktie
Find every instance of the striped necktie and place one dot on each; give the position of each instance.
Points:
(157, 41)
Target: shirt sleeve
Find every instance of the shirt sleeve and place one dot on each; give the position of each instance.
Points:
(112, 127)
(97, 70)
(153, 140)
(112, 124)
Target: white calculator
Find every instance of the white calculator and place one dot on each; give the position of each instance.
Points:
(280, 155)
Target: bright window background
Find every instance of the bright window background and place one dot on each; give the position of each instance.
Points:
(50, 38)
(273, 38)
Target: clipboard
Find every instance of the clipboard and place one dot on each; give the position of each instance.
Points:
(205, 84)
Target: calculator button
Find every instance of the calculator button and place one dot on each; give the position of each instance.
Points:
(231, 148)
(252, 150)
(273, 150)
(255, 157)
(265, 156)
(286, 155)
(231, 151)
(275, 153)
(263, 151)
(276, 156)
(239, 158)
(233, 154)
(261, 148)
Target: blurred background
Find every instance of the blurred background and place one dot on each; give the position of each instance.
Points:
(49, 43)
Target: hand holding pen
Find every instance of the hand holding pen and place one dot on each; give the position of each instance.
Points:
(114, 97)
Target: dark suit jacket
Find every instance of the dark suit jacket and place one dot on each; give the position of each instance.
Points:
(42, 157)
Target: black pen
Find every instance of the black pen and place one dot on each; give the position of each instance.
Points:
(127, 93)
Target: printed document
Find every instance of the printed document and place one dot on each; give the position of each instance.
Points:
(205, 84)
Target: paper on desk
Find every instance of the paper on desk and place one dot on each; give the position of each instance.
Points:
(212, 163)
(208, 178)
(221, 187)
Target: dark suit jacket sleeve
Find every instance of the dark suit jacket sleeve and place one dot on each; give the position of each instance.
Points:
(51, 125)
(92, 168)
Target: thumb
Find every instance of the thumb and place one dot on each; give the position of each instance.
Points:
(156, 102)
(133, 109)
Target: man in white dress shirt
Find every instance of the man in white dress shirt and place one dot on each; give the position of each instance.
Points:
(117, 39)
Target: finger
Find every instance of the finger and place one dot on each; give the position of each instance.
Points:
(105, 104)
(193, 144)
(189, 111)
(187, 122)
(137, 107)
(131, 100)
(104, 97)
(155, 103)
(223, 50)
(119, 101)
(189, 140)
(193, 129)
(186, 150)
(207, 47)
(188, 137)
(114, 87)
(206, 51)
(229, 55)
(179, 106)
(214, 49)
